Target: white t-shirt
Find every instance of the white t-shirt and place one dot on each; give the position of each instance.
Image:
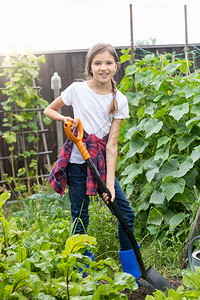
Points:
(92, 109)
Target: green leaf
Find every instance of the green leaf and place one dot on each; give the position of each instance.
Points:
(162, 153)
(21, 276)
(132, 132)
(185, 141)
(140, 112)
(155, 217)
(157, 197)
(144, 78)
(30, 138)
(195, 155)
(30, 92)
(196, 99)
(47, 121)
(158, 80)
(43, 103)
(19, 118)
(10, 137)
(171, 186)
(160, 113)
(185, 167)
(41, 59)
(196, 109)
(124, 281)
(132, 171)
(176, 220)
(172, 67)
(192, 122)
(151, 171)
(152, 126)
(134, 98)
(163, 140)
(188, 91)
(21, 254)
(130, 70)
(178, 111)
(77, 242)
(136, 146)
(20, 103)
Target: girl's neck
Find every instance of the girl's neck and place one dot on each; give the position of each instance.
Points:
(99, 88)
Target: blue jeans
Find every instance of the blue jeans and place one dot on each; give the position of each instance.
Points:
(76, 179)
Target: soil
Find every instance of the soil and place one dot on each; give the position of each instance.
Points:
(141, 292)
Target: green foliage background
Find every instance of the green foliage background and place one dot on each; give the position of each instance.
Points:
(159, 160)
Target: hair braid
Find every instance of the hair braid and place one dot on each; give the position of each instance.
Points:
(113, 105)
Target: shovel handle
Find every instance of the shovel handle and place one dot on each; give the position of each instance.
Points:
(77, 140)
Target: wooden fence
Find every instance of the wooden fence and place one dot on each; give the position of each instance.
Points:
(70, 67)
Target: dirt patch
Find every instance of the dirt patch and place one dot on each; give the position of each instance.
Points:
(141, 292)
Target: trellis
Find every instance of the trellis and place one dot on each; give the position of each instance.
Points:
(41, 130)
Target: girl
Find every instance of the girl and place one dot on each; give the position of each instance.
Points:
(101, 109)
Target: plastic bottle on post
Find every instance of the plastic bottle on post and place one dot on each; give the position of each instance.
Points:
(55, 81)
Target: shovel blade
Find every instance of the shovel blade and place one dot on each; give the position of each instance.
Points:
(153, 281)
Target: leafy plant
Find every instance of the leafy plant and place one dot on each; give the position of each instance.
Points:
(190, 280)
(103, 225)
(159, 161)
(40, 260)
(21, 118)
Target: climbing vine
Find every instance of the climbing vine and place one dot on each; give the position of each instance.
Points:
(22, 117)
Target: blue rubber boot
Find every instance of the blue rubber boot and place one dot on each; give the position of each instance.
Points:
(91, 255)
(129, 263)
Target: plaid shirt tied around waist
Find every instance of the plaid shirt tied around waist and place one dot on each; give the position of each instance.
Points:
(97, 149)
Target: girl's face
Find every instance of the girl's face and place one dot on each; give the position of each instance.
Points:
(103, 67)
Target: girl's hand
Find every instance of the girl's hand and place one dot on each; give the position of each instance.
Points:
(105, 195)
(74, 121)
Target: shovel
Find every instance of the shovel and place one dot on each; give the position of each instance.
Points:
(149, 278)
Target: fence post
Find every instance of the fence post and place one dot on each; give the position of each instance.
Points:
(56, 86)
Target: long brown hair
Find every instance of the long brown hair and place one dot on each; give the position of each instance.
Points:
(96, 49)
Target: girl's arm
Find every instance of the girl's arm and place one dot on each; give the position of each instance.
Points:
(111, 157)
(51, 112)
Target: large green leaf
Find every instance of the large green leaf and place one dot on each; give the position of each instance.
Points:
(172, 67)
(185, 141)
(195, 155)
(132, 171)
(196, 109)
(130, 70)
(10, 137)
(152, 126)
(176, 220)
(162, 141)
(158, 80)
(178, 111)
(77, 242)
(157, 197)
(19, 117)
(20, 103)
(171, 186)
(132, 132)
(193, 121)
(140, 112)
(196, 98)
(185, 167)
(134, 98)
(188, 91)
(155, 217)
(160, 113)
(136, 146)
(162, 153)
(144, 78)
(21, 254)
(152, 170)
